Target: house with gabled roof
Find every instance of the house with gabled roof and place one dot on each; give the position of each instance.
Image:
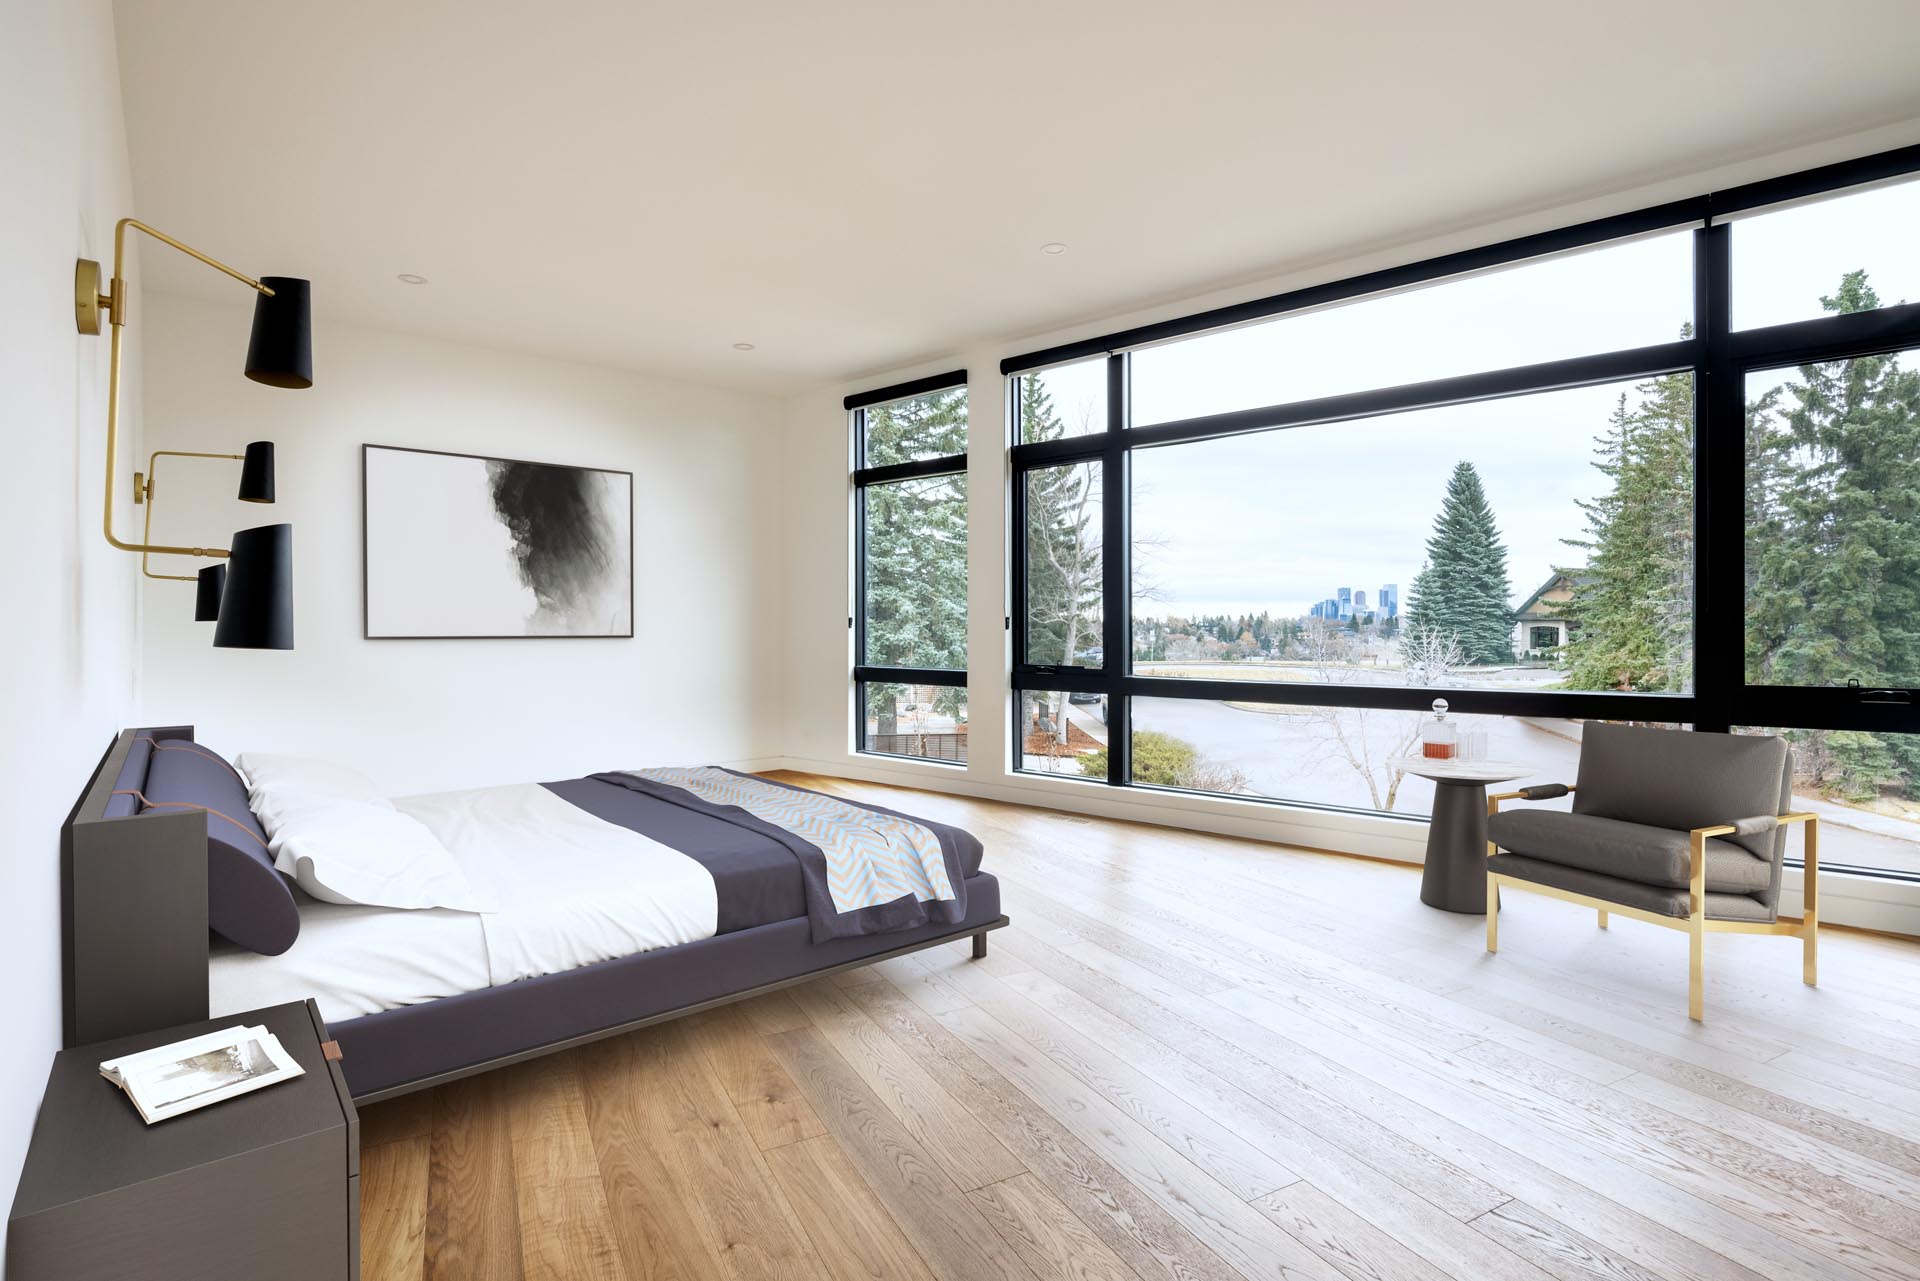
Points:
(1541, 626)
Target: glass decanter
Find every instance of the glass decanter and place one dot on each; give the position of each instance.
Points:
(1439, 737)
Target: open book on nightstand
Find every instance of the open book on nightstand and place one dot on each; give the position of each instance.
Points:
(184, 1076)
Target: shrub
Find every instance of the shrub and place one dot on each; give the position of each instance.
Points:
(1166, 761)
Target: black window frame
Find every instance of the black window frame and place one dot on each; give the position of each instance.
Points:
(863, 477)
(1717, 356)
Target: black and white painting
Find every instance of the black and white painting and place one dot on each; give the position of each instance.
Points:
(465, 546)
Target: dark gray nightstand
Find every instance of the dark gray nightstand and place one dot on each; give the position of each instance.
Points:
(264, 1185)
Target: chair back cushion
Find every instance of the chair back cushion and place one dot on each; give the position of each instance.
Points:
(1681, 779)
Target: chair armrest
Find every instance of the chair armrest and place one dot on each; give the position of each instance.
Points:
(1540, 792)
(1758, 825)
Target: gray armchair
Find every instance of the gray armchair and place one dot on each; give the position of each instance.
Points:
(1681, 829)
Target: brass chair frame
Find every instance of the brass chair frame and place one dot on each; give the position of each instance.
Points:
(1695, 924)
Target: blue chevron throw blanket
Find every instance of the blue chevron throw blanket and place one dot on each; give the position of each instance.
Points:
(867, 871)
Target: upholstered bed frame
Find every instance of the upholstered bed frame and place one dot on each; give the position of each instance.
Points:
(135, 949)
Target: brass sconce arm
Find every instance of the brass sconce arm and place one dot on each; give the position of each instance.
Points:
(89, 303)
(143, 488)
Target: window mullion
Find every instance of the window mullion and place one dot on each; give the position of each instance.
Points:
(1719, 664)
(1116, 568)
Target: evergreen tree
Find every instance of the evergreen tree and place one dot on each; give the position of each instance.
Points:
(1834, 546)
(1770, 473)
(929, 426)
(1462, 589)
(1851, 764)
(1631, 615)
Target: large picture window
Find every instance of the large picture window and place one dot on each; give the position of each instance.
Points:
(910, 590)
(1454, 546)
(1634, 294)
(1662, 468)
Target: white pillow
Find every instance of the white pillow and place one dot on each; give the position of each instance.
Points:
(346, 851)
(277, 784)
(341, 840)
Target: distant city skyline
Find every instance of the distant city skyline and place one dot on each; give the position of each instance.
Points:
(1345, 603)
(1196, 506)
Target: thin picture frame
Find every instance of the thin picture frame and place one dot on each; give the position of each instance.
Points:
(366, 551)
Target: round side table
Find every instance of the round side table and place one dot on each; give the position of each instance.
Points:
(1455, 876)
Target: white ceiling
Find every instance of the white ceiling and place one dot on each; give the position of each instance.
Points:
(861, 184)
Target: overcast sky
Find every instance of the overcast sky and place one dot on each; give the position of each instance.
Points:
(1279, 520)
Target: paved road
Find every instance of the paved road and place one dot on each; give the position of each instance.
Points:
(1296, 754)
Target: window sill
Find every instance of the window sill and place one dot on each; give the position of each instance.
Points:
(929, 761)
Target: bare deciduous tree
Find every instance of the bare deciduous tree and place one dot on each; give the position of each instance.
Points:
(1430, 657)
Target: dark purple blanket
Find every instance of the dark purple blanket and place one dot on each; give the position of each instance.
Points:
(757, 870)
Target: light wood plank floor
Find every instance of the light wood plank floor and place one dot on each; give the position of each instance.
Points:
(1193, 1058)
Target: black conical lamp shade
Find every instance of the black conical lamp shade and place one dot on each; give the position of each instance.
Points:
(256, 606)
(280, 354)
(206, 601)
(256, 473)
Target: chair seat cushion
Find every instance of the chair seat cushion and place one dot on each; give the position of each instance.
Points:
(1611, 889)
(1634, 852)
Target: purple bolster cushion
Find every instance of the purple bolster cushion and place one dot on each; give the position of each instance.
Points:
(248, 901)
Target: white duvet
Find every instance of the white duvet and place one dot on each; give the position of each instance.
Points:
(573, 889)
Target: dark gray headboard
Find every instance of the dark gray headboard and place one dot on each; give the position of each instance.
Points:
(133, 904)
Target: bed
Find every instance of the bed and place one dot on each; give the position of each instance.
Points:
(589, 907)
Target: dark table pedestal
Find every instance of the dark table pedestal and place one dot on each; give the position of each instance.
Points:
(1455, 876)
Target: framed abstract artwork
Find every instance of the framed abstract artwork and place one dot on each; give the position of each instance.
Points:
(459, 545)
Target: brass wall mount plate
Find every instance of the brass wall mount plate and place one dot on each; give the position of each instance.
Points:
(86, 295)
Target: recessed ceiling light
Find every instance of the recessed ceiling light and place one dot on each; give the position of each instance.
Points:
(1053, 249)
(743, 346)
(409, 278)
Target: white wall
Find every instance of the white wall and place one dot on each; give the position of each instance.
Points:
(819, 691)
(67, 651)
(700, 680)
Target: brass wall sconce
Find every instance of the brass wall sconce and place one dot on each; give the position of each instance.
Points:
(250, 598)
(256, 486)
